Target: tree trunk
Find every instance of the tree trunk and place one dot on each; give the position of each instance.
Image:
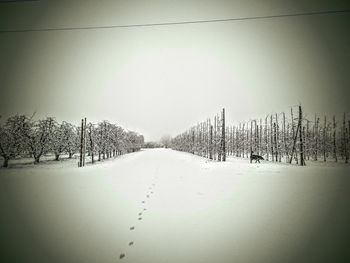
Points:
(37, 159)
(6, 162)
(57, 156)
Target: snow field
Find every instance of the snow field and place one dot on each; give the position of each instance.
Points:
(196, 211)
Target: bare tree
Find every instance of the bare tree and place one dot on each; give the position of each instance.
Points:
(11, 138)
(39, 136)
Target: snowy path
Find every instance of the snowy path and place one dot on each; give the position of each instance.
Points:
(166, 206)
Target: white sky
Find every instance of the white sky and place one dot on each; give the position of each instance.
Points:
(161, 80)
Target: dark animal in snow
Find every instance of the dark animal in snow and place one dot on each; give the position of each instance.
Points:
(256, 157)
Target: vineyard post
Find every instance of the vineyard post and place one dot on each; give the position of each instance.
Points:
(302, 161)
(278, 147)
(293, 131)
(275, 141)
(345, 132)
(99, 150)
(334, 140)
(324, 138)
(219, 145)
(228, 140)
(208, 137)
(307, 141)
(291, 114)
(304, 143)
(284, 136)
(271, 138)
(266, 139)
(81, 144)
(348, 135)
(256, 136)
(84, 151)
(233, 140)
(211, 143)
(316, 138)
(238, 142)
(247, 141)
(202, 139)
(251, 138)
(104, 141)
(199, 132)
(193, 141)
(243, 139)
(91, 143)
(260, 137)
(223, 136)
(215, 138)
(346, 142)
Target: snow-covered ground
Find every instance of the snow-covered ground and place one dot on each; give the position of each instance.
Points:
(46, 161)
(160, 205)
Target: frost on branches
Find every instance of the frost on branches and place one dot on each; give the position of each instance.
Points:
(21, 136)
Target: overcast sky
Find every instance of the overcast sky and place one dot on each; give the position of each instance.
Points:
(161, 80)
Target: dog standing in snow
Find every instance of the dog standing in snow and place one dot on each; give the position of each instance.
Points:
(255, 157)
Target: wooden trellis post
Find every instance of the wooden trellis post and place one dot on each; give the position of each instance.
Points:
(211, 142)
(82, 143)
(84, 150)
(223, 130)
(302, 159)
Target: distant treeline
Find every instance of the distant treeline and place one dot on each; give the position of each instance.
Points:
(278, 137)
(152, 145)
(22, 136)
